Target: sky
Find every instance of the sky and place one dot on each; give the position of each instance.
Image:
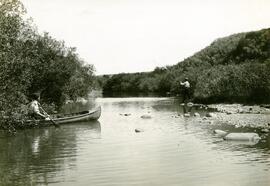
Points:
(138, 35)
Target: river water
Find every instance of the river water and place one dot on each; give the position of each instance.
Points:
(169, 150)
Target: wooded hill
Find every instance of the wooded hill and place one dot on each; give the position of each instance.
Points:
(232, 69)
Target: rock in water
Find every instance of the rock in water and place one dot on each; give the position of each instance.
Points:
(242, 137)
(146, 116)
(139, 130)
(187, 114)
(196, 114)
(220, 133)
(189, 104)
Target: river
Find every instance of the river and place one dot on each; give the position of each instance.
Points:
(169, 150)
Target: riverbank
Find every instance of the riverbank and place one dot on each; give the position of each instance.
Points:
(241, 115)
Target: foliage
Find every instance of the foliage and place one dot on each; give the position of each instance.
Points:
(231, 69)
(32, 62)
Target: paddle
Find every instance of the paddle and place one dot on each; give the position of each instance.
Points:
(53, 122)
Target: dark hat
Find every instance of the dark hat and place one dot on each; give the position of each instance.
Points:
(35, 95)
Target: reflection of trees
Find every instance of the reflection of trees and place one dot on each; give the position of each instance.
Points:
(37, 155)
(78, 106)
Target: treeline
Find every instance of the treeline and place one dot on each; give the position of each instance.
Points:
(231, 69)
(32, 62)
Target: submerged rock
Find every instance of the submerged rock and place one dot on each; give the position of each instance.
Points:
(146, 116)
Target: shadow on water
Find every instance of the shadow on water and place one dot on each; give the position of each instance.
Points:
(175, 105)
(25, 156)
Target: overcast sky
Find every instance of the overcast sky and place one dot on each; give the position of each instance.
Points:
(139, 35)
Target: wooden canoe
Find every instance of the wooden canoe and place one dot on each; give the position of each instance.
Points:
(90, 115)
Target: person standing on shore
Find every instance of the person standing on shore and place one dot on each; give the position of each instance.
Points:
(186, 90)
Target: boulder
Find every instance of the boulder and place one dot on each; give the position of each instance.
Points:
(242, 136)
(220, 133)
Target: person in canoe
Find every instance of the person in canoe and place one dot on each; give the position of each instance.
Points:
(35, 110)
(186, 90)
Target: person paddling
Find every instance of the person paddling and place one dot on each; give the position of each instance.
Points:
(186, 89)
(35, 110)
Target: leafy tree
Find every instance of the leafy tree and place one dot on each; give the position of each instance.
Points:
(32, 62)
(231, 69)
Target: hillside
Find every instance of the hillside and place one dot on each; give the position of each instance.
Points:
(231, 69)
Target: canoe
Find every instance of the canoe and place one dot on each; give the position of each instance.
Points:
(90, 115)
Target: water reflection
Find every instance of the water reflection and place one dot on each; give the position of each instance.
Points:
(171, 150)
(36, 155)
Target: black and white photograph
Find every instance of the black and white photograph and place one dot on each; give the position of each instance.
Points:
(134, 92)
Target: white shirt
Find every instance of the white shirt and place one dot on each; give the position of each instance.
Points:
(34, 108)
(186, 84)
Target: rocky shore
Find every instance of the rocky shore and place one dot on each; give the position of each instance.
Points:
(242, 115)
